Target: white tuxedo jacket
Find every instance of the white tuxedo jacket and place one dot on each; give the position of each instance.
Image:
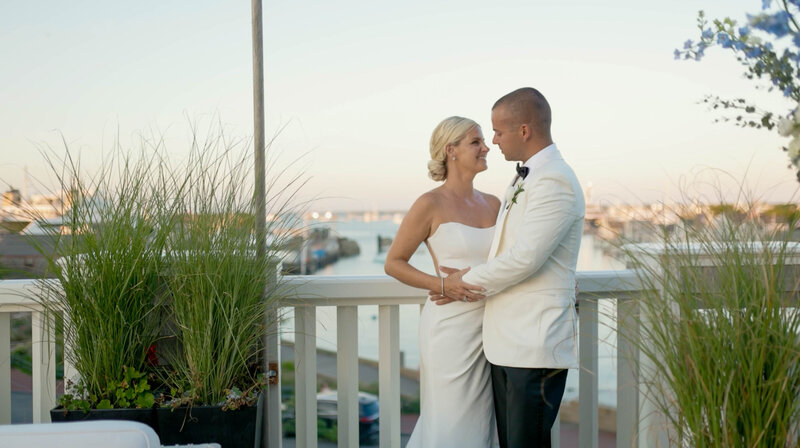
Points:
(530, 319)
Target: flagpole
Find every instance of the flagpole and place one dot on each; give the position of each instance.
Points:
(258, 129)
(270, 425)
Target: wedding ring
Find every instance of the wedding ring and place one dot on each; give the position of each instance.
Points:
(465, 299)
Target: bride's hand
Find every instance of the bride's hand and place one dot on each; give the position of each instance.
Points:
(456, 289)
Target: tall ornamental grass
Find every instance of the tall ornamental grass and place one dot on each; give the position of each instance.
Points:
(163, 264)
(718, 333)
(110, 270)
(220, 290)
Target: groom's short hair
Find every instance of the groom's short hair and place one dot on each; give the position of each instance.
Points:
(528, 106)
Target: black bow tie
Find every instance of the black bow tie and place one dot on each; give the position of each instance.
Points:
(522, 171)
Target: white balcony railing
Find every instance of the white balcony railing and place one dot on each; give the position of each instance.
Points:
(347, 294)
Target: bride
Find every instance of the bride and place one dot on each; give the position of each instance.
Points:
(456, 221)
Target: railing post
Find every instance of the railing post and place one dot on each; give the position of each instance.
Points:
(587, 383)
(5, 368)
(272, 423)
(43, 365)
(347, 375)
(70, 373)
(305, 368)
(555, 433)
(653, 426)
(389, 375)
(627, 373)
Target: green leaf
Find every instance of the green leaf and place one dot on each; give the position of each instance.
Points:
(65, 400)
(145, 401)
(104, 404)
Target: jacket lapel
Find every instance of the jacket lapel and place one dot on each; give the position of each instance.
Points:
(498, 233)
(500, 224)
(535, 166)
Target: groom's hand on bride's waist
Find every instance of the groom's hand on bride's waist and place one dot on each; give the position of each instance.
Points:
(454, 289)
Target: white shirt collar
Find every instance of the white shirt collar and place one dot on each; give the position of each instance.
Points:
(542, 157)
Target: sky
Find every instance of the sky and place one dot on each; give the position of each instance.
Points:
(354, 89)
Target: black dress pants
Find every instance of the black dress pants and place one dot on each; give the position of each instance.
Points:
(526, 403)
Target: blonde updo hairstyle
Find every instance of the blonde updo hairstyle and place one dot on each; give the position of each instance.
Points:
(449, 132)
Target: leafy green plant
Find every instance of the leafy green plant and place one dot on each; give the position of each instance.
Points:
(21, 360)
(326, 429)
(132, 391)
(719, 348)
(786, 213)
(409, 405)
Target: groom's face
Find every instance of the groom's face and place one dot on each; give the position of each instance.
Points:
(507, 134)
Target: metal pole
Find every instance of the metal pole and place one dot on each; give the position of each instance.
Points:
(258, 129)
(271, 431)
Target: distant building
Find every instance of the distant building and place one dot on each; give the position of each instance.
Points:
(11, 198)
(16, 212)
(20, 254)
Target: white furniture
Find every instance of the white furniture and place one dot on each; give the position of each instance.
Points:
(89, 434)
(93, 434)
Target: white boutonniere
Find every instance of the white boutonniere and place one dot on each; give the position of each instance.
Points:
(511, 195)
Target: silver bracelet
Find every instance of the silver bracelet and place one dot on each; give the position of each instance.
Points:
(442, 279)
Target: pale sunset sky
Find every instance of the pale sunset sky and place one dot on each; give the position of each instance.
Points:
(358, 86)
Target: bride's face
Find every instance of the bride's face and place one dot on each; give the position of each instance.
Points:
(471, 151)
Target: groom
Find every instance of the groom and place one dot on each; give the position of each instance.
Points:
(529, 324)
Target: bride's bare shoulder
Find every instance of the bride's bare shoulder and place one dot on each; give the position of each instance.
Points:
(490, 198)
(420, 217)
(429, 199)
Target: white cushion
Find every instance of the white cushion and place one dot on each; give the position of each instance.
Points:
(87, 434)
(193, 445)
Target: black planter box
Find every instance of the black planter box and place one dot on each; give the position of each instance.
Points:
(181, 426)
(208, 424)
(147, 416)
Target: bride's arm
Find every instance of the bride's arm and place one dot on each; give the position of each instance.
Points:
(414, 229)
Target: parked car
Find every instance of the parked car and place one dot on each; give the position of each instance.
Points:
(368, 411)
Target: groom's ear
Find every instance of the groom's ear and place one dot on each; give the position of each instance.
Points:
(525, 131)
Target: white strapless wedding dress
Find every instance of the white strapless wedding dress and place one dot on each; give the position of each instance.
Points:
(457, 408)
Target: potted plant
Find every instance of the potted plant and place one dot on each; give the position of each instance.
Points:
(220, 292)
(165, 292)
(718, 347)
(108, 264)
